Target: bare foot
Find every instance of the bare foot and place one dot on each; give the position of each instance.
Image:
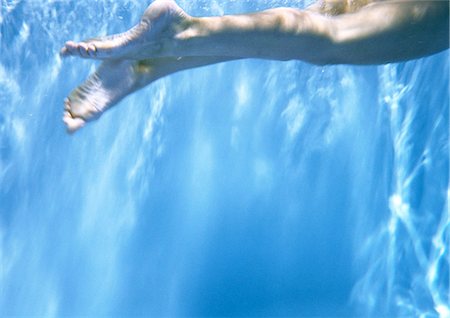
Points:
(111, 82)
(151, 37)
(115, 79)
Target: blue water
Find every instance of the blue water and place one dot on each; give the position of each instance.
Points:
(253, 188)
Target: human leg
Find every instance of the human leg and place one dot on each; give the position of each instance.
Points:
(115, 79)
(391, 31)
(161, 21)
(165, 30)
(281, 34)
(377, 33)
(381, 32)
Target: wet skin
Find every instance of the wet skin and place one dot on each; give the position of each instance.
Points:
(168, 40)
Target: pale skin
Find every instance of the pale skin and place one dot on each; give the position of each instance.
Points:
(168, 40)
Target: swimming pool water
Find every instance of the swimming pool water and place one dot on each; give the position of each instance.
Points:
(252, 188)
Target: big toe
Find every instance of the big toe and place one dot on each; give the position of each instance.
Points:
(69, 48)
(73, 124)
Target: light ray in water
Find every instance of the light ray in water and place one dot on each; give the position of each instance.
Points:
(415, 262)
(251, 188)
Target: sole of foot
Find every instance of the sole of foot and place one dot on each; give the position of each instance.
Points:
(109, 84)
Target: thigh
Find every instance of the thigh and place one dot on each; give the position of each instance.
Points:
(391, 31)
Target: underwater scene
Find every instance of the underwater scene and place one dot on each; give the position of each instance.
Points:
(250, 188)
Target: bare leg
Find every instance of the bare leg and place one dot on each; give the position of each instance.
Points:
(115, 79)
(160, 23)
(167, 40)
(381, 32)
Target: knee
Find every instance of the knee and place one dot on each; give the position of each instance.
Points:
(294, 21)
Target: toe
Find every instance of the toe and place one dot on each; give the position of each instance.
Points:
(92, 50)
(70, 48)
(72, 124)
(83, 49)
(64, 52)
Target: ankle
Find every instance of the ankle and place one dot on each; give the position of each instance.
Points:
(185, 32)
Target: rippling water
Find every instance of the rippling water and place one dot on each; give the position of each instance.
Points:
(252, 188)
